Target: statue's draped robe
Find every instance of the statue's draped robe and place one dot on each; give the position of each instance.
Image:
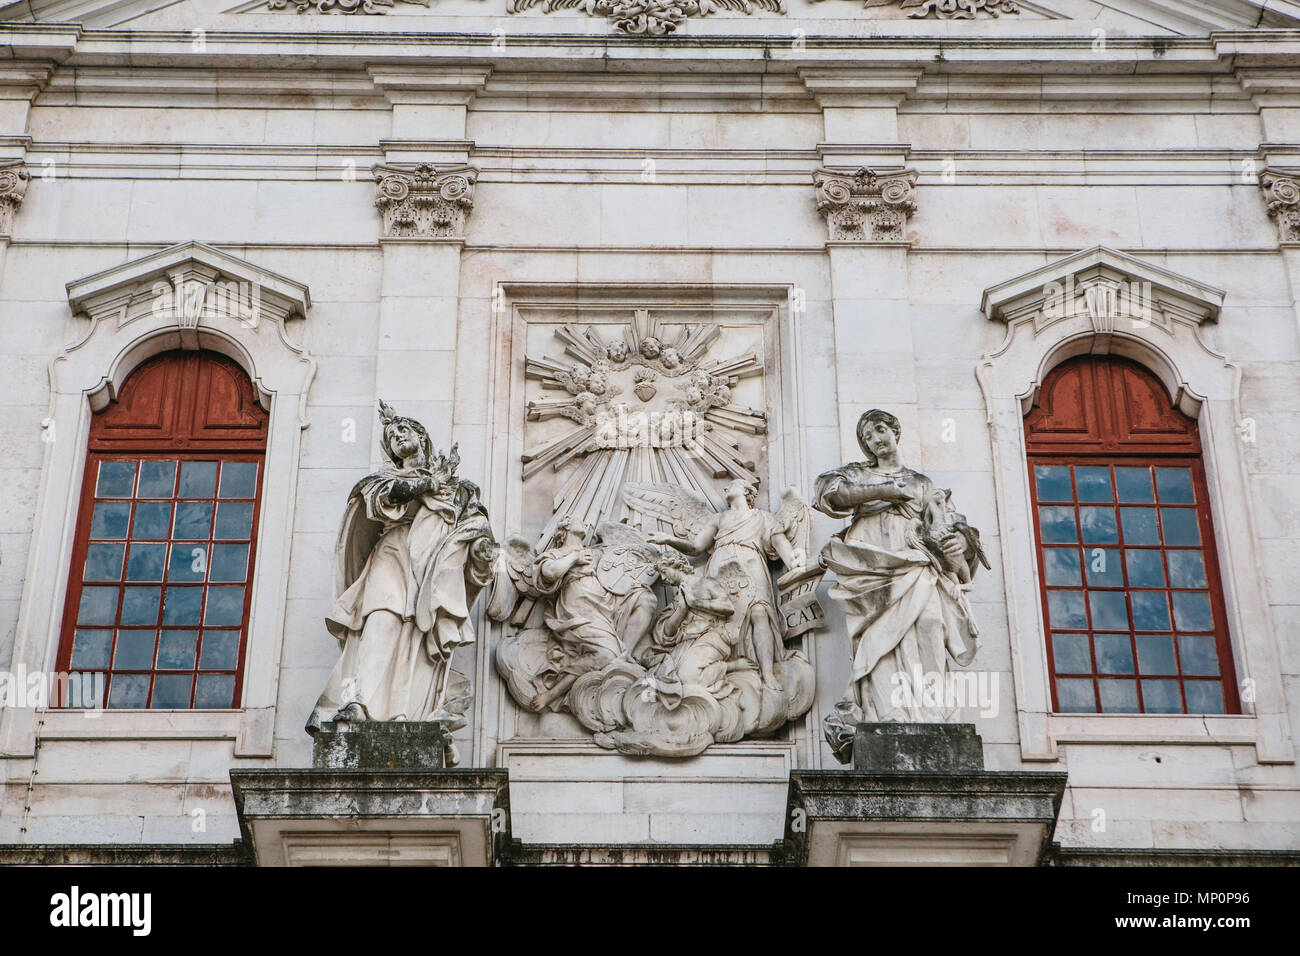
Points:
(745, 537)
(406, 584)
(905, 617)
(699, 652)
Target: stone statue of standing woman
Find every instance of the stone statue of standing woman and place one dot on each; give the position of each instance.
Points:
(903, 567)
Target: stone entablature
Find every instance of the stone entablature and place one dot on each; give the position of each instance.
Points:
(866, 205)
(424, 202)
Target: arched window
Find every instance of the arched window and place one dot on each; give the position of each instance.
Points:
(1131, 590)
(162, 565)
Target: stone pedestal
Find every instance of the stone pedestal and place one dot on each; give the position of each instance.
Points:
(378, 796)
(919, 795)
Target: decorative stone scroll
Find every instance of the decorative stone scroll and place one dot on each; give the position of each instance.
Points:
(13, 187)
(652, 17)
(423, 202)
(866, 205)
(1282, 194)
(949, 9)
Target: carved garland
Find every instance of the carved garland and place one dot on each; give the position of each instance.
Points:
(649, 17)
(13, 187)
(1282, 194)
(950, 9)
(339, 6)
(421, 202)
(866, 205)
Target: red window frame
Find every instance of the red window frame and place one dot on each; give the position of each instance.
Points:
(178, 407)
(1114, 413)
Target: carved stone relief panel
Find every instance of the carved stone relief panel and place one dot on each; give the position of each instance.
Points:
(649, 595)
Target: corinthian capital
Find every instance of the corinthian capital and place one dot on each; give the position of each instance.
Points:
(13, 187)
(867, 205)
(1282, 194)
(422, 202)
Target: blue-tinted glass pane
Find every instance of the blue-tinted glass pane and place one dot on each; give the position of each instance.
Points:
(172, 690)
(1192, 611)
(1065, 609)
(225, 606)
(116, 479)
(1161, 697)
(110, 519)
(1186, 569)
(90, 649)
(189, 561)
(1175, 486)
(134, 651)
(1144, 569)
(1156, 654)
(1109, 612)
(1118, 696)
(230, 562)
(140, 605)
(1053, 483)
(157, 479)
(104, 562)
(98, 606)
(1098, 525)
(1093, 483)
(1114, 654)
(238, 479)
(153, 519)
(193, 519)
(215, 690)
(182, 605)
(1062, 566)
(1140, 525)
(86, 689)
(146, 563)
(1104, 568)
(1058, 525)
(176, 650)
(1198, 655)
(1075, 696)
(1133, 484)
(1070, 654)
(1203, 697)
(198, 479)
(1180, 526)
(234, 520)
(1150, 611)
(220, 650)
(128, 690)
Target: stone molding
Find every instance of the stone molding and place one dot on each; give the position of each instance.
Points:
(1282, 195)
(866, 205)
(13, 187)
(339, 6)
(950, 9)
(424, 202)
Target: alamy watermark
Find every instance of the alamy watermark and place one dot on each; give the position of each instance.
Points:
(951, 690)
(76, 689)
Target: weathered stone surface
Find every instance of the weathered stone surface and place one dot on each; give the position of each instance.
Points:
(381, 745)
(940, 748)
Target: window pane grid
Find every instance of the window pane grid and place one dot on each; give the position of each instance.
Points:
(162, 604)
(1128, 596)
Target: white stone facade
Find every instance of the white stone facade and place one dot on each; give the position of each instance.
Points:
(626, 160)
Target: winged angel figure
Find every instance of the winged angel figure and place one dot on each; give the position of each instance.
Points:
(586, 635)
